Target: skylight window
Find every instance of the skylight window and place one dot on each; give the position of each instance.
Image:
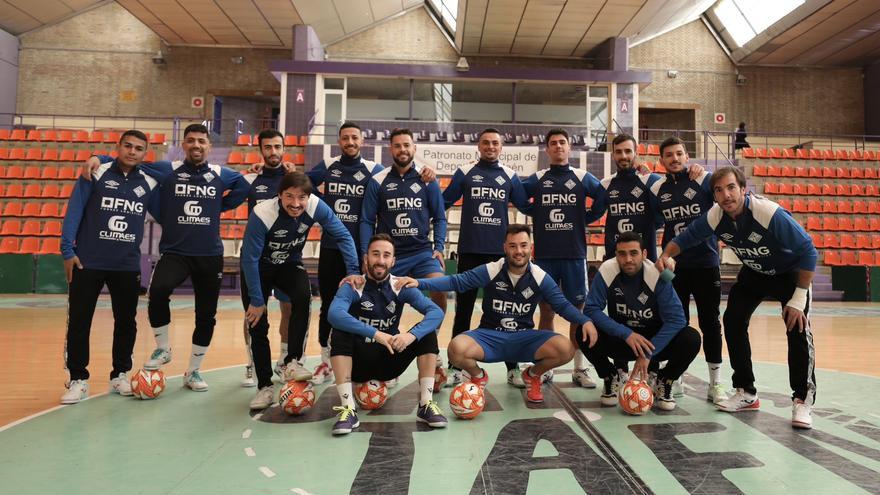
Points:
(447, 10)
(745, 19)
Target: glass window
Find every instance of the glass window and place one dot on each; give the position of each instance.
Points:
(551, 104)
(448, 12)
(377, 99)
(334, 83)
(599, 92)
(447, 101)
(744, 19)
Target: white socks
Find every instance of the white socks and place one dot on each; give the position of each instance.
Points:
(345, 395)
(580, 361)
(161, 334)
(283, 351)
(714, 373)
(325, 354)
(426, 390)
(195, 359)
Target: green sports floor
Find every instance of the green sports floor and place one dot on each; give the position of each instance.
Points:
(210, 443)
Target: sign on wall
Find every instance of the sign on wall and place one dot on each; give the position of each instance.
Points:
(720, 118)
(446, 159)
(197, 102)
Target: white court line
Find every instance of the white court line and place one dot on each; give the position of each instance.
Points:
(250, 452)
(875, 415)
(256, 417)
(246, 434)
(299, 491)
(267, 472)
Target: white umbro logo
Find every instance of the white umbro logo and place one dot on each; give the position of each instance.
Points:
(613, 194)
(499, 180)
(367, 305)
(665, 197)
(528, 292)
(184, 175)
(690, 193)
(642, 298)
(755, 237)
(618, 291)
(359, 176)
(280, 233)
(727, 236)
(336, 172)
(547, 183)
(415, 188)
(392, 186)
(637, 191)
(261, 188)
(570, 184)
(477, 178)
(501, 285)
(111, 184)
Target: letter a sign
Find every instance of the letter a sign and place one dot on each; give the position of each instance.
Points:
(624, 105)
(300, 95)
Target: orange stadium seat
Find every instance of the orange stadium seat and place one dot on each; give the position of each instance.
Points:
(17, 135)
(774, 171)
(96, 137)
(32, 172)
(299, 159)
(832, 258)
(50, 155)
(150, 156)
(228, 215)
(785, 203)
(4, 134)
(51, 228)
(802, 154)
(799, 206)
(4, 153)
(243, 140)
(32, 191)
(17, 154)
(303, 140)
(860, 206)
(830, 240)
(875, 224)
(801, 172)
(787, 171)
(9, 245)
(787, 188)
(856, 173)
(50, 191)
(813, 189)
(49, 173)
(15, 190)
(856, 190)
(82, 155)
(817, 240)
(863, 241)
(814, 172)
(848, 258)
(861, 224)
(68, 173)
(11, 227)
(640, 149)
(866, 258)
(759, 170)
(50, 245)
(66, 190)
(64, 136)
(847, 241)
(234, 158)
(48, 210)
(67, 156)
(814, 206)
(31, 209)
(12, 209)
(31, 227)
(158, 138)
(789, 154)
(112, 137)
(815, 154)
(841, 155)
(841, 190)
(815, 223)
(291, 141)
(14, 172)
(29, 245)
(829, 223)
(874, 207)
(33, 154)
(870, 173)
(842, 173)
(871, 190)
(828, 190)
(828, 172)
(80, 137)
(771, 188)
(845, 223)
(844, 206)
(251, 158)
(827, 155)
(241, 213)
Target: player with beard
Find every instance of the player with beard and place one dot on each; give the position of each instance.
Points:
(512, 288)
(264, 187)
(367, 344)
(271, 256)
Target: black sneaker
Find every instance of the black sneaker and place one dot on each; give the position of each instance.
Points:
(663, 397)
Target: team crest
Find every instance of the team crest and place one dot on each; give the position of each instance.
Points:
(637, 191)
(528, 293)
(139, 191)
(690, 193)
(302, 228)
(359, 176)
(570, 184)
(499, 180)
(392, 307)
(642, 298)
(415, 188)
(209, 177)
(755, 237)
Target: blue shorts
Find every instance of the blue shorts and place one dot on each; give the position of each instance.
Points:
(418, 265)
(282, 297)
(570, 275)
(519, 347)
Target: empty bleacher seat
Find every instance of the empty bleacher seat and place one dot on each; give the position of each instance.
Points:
(51, 228)
(11, 227)
(832, 258)
(50, 245)
(9, 245)
(243, 140)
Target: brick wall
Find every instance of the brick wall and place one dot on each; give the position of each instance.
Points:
(815, 101)
(92, 63)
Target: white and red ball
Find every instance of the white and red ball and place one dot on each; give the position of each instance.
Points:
(146, 384)
(636, 397)
(371, 394)
(296, 397)
(467, 400)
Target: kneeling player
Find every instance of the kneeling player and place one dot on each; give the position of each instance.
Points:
(512, 288)
(645, 323)
(271, 256)
(365, 343)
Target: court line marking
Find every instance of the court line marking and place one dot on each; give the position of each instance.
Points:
(256, 417)
(266, 472)
(299, 491)
(249, 452)
(246, 434)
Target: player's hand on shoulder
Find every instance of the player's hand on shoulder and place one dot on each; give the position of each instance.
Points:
(695, 170)
(429, 175)
(288, 167)
(356, 281)
(406, 282)
(89, 167)
(256, 168)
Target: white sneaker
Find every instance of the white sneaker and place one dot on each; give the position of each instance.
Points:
(611, 387)
(716, 394)
(322, 372)
(678, 387)
(121, 385)
(77, 390)
(157, 359)
(454, 378)
(193, 380)
(740, 401)
(248, 380)
(581, 378)
(801, 415)
(279, 368)
(392, 382)
(664, 397)
(514, 378)
(295, 371)
(265, 397)
(547, 377)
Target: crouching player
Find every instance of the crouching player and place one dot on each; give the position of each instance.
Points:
(512, 288)
(645, 323)
(271, 256)
(365, 343)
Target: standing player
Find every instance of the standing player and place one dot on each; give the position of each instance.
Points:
(485, 188)
(271, 256)
(100, 244)
(779, 261)
(512, 288)
(399, 204)
(645, 323)
(367, 344)
(191, 200)
(681, 200)
(344, 180)
(560, 217)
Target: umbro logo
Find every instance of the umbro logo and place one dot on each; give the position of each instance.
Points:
(477, 178)
(727, 236)
(184, 175)
(280, 233)
(547, 183)
(336, 172)
(618, 291)
(391, 186)
(111, 184)
(261, 188)
(613, 194)
(501, 285)
(367, 305)
(665, 197)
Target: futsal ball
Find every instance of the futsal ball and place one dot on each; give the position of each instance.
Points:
(296, 397)
(440, 378)
(371, 394)
(147, 384)
(636, 397)
(467, 400)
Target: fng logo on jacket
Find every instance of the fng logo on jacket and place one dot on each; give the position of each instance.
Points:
(119, 204)
(194, 191)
